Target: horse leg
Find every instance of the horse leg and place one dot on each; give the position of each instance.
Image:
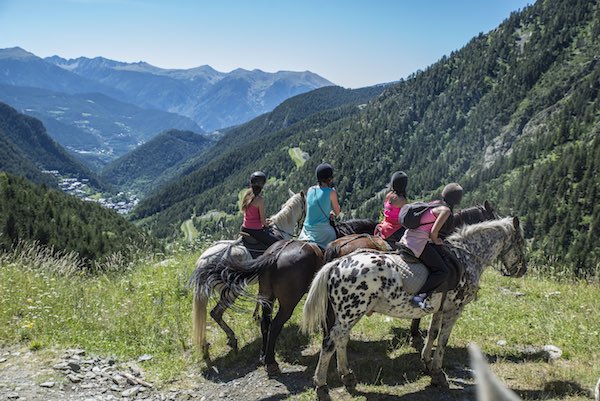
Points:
(416, 338)
(432, 333)
(438, 377)
(348, 377)
(283, 315)
(320, 378)
(217, 315)
(256, 314)
(265, 324)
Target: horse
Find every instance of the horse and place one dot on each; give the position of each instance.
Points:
(284, 273)
(350, 243)
(291, 213)
(344, 290)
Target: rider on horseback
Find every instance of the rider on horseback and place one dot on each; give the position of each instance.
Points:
(424, 241)
(321, 205)
(253, 206)
(390, 228)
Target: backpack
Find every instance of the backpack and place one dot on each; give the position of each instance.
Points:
(410, 214)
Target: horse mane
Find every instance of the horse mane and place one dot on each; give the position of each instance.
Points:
(461, 233)
(285, 217)
(356, 226)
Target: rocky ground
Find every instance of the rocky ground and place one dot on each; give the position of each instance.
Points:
(75, 375)
(78, 376)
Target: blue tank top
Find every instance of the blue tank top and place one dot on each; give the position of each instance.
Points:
(318, 206)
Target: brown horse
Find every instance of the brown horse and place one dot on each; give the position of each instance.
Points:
(350, 243)
(284, 272)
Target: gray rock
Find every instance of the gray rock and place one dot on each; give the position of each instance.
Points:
(551, 352)
(145, 357)
(61, 366)
(131, 392)
(2, 360)
(501, 343)
(74, 378)
(12, 396)
(74, 366)
(119, 380)
(47, 384)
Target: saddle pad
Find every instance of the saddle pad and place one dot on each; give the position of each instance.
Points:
(413, 275)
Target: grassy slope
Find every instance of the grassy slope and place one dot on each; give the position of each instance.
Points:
(148, 311)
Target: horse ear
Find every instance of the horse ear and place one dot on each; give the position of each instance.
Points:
(489, 387)
(488, 206)
(302, 194)
(516, 223)
(291, 193)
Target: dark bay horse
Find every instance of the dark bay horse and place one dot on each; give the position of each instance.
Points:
(283, 272)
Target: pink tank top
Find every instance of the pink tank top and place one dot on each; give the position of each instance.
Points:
(390, 223)
(416, 239)
(252, 218)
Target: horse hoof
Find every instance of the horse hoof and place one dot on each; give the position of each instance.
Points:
(233, 345)
(273, 369)
(439, 379)
(323, 393)
(349, 380)
(416, 342)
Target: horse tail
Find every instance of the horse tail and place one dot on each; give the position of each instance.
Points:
(199, 305)
(332, 252)
(314, 314)
(228, 277)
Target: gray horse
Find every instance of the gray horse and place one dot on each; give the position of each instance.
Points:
(365, 282)
(291, 214)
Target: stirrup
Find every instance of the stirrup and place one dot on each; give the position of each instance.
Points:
(421, 302)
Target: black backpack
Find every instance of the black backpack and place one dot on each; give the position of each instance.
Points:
(410, 214)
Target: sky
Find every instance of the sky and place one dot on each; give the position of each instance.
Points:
(353, 43)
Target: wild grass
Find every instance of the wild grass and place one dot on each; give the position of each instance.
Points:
(147, 310)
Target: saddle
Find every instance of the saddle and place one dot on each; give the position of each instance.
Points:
(456, 268)
(255, 247)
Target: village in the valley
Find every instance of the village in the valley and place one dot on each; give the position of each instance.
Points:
(121, 202)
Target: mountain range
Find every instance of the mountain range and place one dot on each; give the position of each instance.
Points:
(211, 98)
(514, 116)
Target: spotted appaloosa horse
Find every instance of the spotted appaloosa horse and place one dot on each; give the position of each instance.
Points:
(346, 245)
(348, 288)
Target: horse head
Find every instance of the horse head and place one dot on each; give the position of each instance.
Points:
(513, 253)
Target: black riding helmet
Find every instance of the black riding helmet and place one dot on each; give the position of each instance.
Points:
(452, 194)
(398, 182)
(258, 178)
(324, 171)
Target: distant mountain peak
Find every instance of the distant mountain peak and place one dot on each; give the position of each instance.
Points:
(16, 53)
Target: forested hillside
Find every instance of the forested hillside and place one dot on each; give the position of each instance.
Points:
(27, 150)
(241, 147)
(513, 115)
(29, 212)
(155, 161)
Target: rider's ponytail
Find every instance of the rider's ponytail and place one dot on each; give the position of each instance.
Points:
(249, 196)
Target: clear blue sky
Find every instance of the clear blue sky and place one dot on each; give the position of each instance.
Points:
(352, 43)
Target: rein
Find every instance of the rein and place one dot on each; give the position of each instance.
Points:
(276, 228)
